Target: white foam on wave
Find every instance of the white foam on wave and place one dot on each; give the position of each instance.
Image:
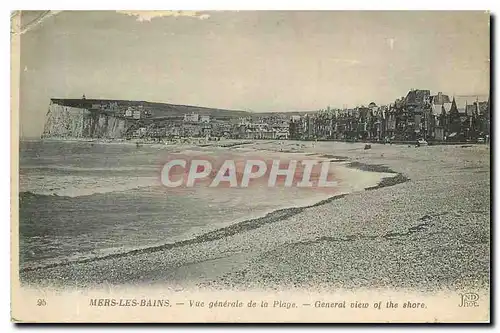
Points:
(77, 186)
(90, 169)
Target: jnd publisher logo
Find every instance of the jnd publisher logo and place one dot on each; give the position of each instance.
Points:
(469, 300)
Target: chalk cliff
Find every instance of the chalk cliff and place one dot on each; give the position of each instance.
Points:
(115, 119)
(64, 121)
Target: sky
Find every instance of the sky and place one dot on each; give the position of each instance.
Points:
(259, 61)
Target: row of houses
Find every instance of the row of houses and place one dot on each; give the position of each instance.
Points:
(418, 115)
(128, 112)
(277, 131)
(196, 118)
(214, 128)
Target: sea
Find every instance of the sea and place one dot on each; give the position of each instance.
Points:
(82, 200)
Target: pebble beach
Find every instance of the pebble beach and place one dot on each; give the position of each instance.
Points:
(426, 228)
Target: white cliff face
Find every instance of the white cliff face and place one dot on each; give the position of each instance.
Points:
(73, 122)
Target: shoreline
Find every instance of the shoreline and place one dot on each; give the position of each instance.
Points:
(150, 140)
(196, 142)
(236, 227)
(445, 192)
(230, 143)
(217, 234)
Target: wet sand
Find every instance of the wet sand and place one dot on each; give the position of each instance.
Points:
(426, 228)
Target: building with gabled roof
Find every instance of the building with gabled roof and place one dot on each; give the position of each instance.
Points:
(447, 107)
(440, 99)
(463, 101)
(483, 108)
(417, 97)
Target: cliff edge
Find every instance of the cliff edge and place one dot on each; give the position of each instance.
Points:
(78, 121)
(115, 119)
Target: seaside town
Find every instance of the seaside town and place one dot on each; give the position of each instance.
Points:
(251, 166)
(418, 116)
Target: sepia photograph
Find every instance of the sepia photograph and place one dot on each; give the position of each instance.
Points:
(251, 166)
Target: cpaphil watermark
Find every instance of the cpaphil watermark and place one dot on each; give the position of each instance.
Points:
(190, 172)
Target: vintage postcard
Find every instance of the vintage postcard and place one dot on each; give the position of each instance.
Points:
(251, 166)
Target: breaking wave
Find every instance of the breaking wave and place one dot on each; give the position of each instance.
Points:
(78, 186)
